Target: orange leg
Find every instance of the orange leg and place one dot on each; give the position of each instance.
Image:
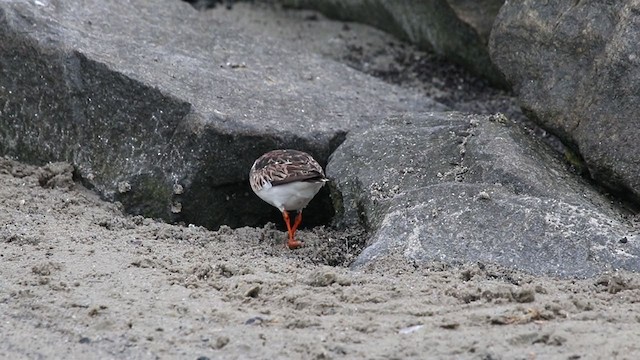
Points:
(292, 243)
(297, 222)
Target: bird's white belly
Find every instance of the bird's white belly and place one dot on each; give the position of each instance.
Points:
(291, 196)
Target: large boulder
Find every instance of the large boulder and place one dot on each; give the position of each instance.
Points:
(456, 29)
(576, 69)
(164, 108)
(469, 188)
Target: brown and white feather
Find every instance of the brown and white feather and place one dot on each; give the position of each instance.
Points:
(279, 167)
(286, 179)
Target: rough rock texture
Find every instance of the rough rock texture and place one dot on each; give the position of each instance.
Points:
(466, 188)
(458, 29)
(576, 70)
(167, 116)
(479, 14)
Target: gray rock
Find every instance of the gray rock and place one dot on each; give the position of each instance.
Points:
(479, 14)
(576, 70)
(164, 108)
(466, 188)
(456, 29)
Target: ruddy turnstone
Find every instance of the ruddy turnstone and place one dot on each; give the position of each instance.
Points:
(288, 180)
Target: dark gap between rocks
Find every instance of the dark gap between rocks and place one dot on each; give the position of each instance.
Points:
(259, 225)
(209, 4)
(239, 207)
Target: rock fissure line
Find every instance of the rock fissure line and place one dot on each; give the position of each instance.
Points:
(462, 169)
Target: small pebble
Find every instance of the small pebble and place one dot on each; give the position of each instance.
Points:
(257, 320)
(124, 187)
(221, 342)
(176, 207)
(321, 279)
(410, 329)
(450, 326)
(524, 296)
(483, 195)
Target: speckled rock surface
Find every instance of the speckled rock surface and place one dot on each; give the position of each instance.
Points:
(456, 29)
(468, 188)
(576, 70)
(168, 116)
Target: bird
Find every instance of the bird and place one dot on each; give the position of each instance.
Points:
(288, 180)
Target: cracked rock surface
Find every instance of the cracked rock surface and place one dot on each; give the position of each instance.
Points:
(141, 107)
(468, 188)
(576, 71)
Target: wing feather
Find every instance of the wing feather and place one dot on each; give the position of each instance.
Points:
(279, 167)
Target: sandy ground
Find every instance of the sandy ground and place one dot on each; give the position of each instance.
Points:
(80, 279)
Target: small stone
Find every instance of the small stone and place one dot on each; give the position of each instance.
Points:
(321, 279)
(540, 289)
(256, 320)
(617, 284)
(450, 326)
(221, 342)
(524, 296)
(176, 207)
(410, 329)
(124, 187)
(483, 195)
(84, 340)
(499, 118)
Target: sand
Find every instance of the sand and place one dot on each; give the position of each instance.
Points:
(81, 279)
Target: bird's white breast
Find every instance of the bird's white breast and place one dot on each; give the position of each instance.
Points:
(291, 196)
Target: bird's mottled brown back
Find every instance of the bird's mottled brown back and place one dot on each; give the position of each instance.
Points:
(284, 166)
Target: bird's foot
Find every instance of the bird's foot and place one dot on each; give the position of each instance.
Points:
(294, 244)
